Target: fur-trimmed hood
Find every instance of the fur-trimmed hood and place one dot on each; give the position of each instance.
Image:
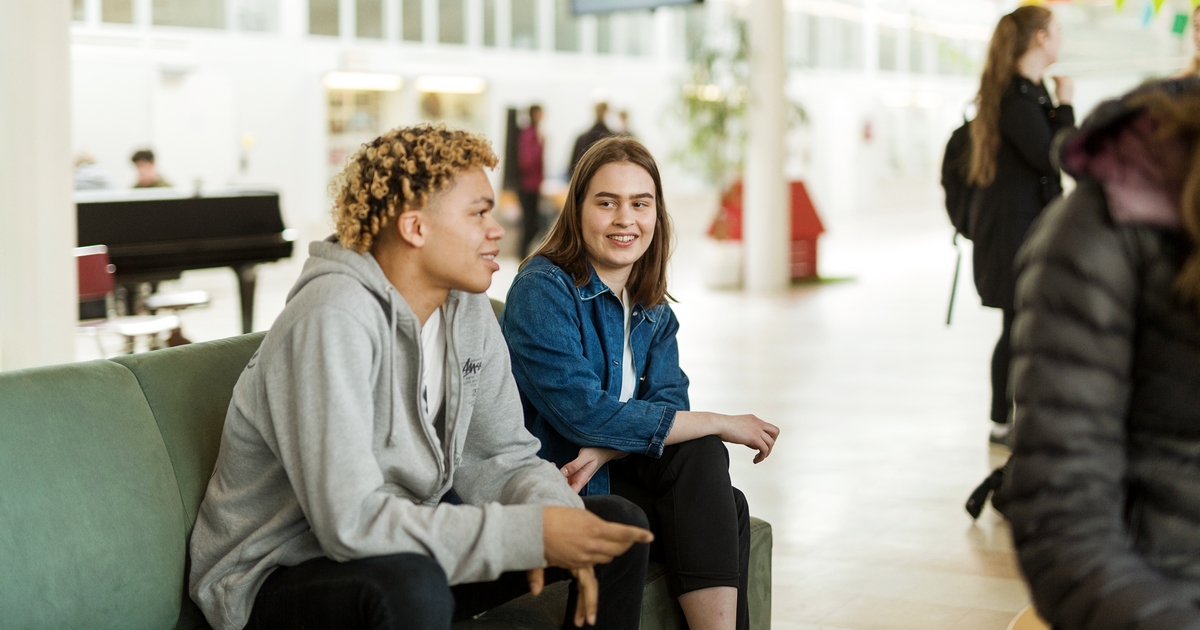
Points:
(1119, 146)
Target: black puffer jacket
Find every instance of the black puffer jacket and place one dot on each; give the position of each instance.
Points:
(1104, 495)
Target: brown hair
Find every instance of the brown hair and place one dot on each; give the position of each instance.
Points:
(1011, 40)
(1179, 116)
(564, 244)
(399, 171)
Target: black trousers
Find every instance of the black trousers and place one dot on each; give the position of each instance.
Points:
(1002, 398)
(409, 591)
(701, 523)
(531, 220)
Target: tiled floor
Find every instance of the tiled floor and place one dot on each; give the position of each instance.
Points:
(882, 410)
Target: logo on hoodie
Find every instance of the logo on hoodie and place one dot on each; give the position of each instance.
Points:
(471, 367)
(470, 371)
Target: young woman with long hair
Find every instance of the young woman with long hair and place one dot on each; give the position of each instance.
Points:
(1011, 167)
(594, 354)
(1105, 488)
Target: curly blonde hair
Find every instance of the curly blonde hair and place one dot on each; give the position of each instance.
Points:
(399, 171)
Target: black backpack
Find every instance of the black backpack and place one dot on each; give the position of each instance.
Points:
(959, 193)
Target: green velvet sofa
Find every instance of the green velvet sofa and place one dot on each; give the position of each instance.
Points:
(102, 469)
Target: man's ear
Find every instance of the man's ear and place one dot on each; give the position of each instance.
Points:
(412, 228)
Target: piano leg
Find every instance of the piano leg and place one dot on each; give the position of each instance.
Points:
(247, 278)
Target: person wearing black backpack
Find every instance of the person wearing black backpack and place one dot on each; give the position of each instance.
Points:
(1010, 168)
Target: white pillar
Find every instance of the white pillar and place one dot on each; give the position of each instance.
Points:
(38, 294)
(767, 224)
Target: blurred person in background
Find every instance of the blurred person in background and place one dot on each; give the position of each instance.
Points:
(593, 344)
(88, 174)
(531, 148)
(147, 171)
(598, 132)
(1011, 168)
(623, 128)
(1104, 489)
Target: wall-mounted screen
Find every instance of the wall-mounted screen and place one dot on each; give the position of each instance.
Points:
(609, 6)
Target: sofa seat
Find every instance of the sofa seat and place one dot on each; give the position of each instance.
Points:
(102, 469)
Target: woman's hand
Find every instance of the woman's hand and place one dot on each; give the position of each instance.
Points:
(748, 430)
(580, 471)
(1064, 90)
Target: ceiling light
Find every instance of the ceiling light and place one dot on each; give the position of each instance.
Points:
(364, 81)
(451, 85)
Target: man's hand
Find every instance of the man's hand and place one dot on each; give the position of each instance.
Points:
(587, 601)
(588, 596)
(590, 459)
(575, 538)
(748, 430)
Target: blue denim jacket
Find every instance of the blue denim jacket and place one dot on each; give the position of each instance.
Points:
(567, 344)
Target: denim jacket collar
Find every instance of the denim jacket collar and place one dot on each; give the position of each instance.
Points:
(596, 286)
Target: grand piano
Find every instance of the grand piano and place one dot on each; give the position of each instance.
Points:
(157, 234)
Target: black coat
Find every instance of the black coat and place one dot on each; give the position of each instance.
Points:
(1026, 180)
(598, 132)
(1104, 490)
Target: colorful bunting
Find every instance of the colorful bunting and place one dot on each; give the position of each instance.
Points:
(1158, 6)
(1180, 24)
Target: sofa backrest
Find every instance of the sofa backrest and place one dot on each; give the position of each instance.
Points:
(92, 531)
(102, 469)
(188, 389)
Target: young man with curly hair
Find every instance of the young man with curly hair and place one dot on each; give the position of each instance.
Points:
(374, 469)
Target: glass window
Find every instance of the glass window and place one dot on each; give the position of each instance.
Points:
(635, 32)
(812, 40)
(956, 56)
(451, 25)
(117, 11)
(412, 16)
(889, 42)
(851, 45)
(524, 24)
(368, 19)
(258, 15)
(194, 13)
(566, 27)
(694, 30)
(489, 22)
(78, 11)
(916, 52)
(604, 34)
(323, 17)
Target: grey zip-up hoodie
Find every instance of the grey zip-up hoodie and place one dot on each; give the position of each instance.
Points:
(326, 452)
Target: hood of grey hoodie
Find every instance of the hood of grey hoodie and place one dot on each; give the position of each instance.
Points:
(330, 257)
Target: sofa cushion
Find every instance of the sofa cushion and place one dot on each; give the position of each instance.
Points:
(92, 531)
(188, 389)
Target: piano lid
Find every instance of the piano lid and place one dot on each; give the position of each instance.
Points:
(126, 217)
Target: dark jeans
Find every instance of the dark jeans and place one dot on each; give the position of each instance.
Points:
(1002, 399)
(409, 591)
(700, 521)
(531, 220)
